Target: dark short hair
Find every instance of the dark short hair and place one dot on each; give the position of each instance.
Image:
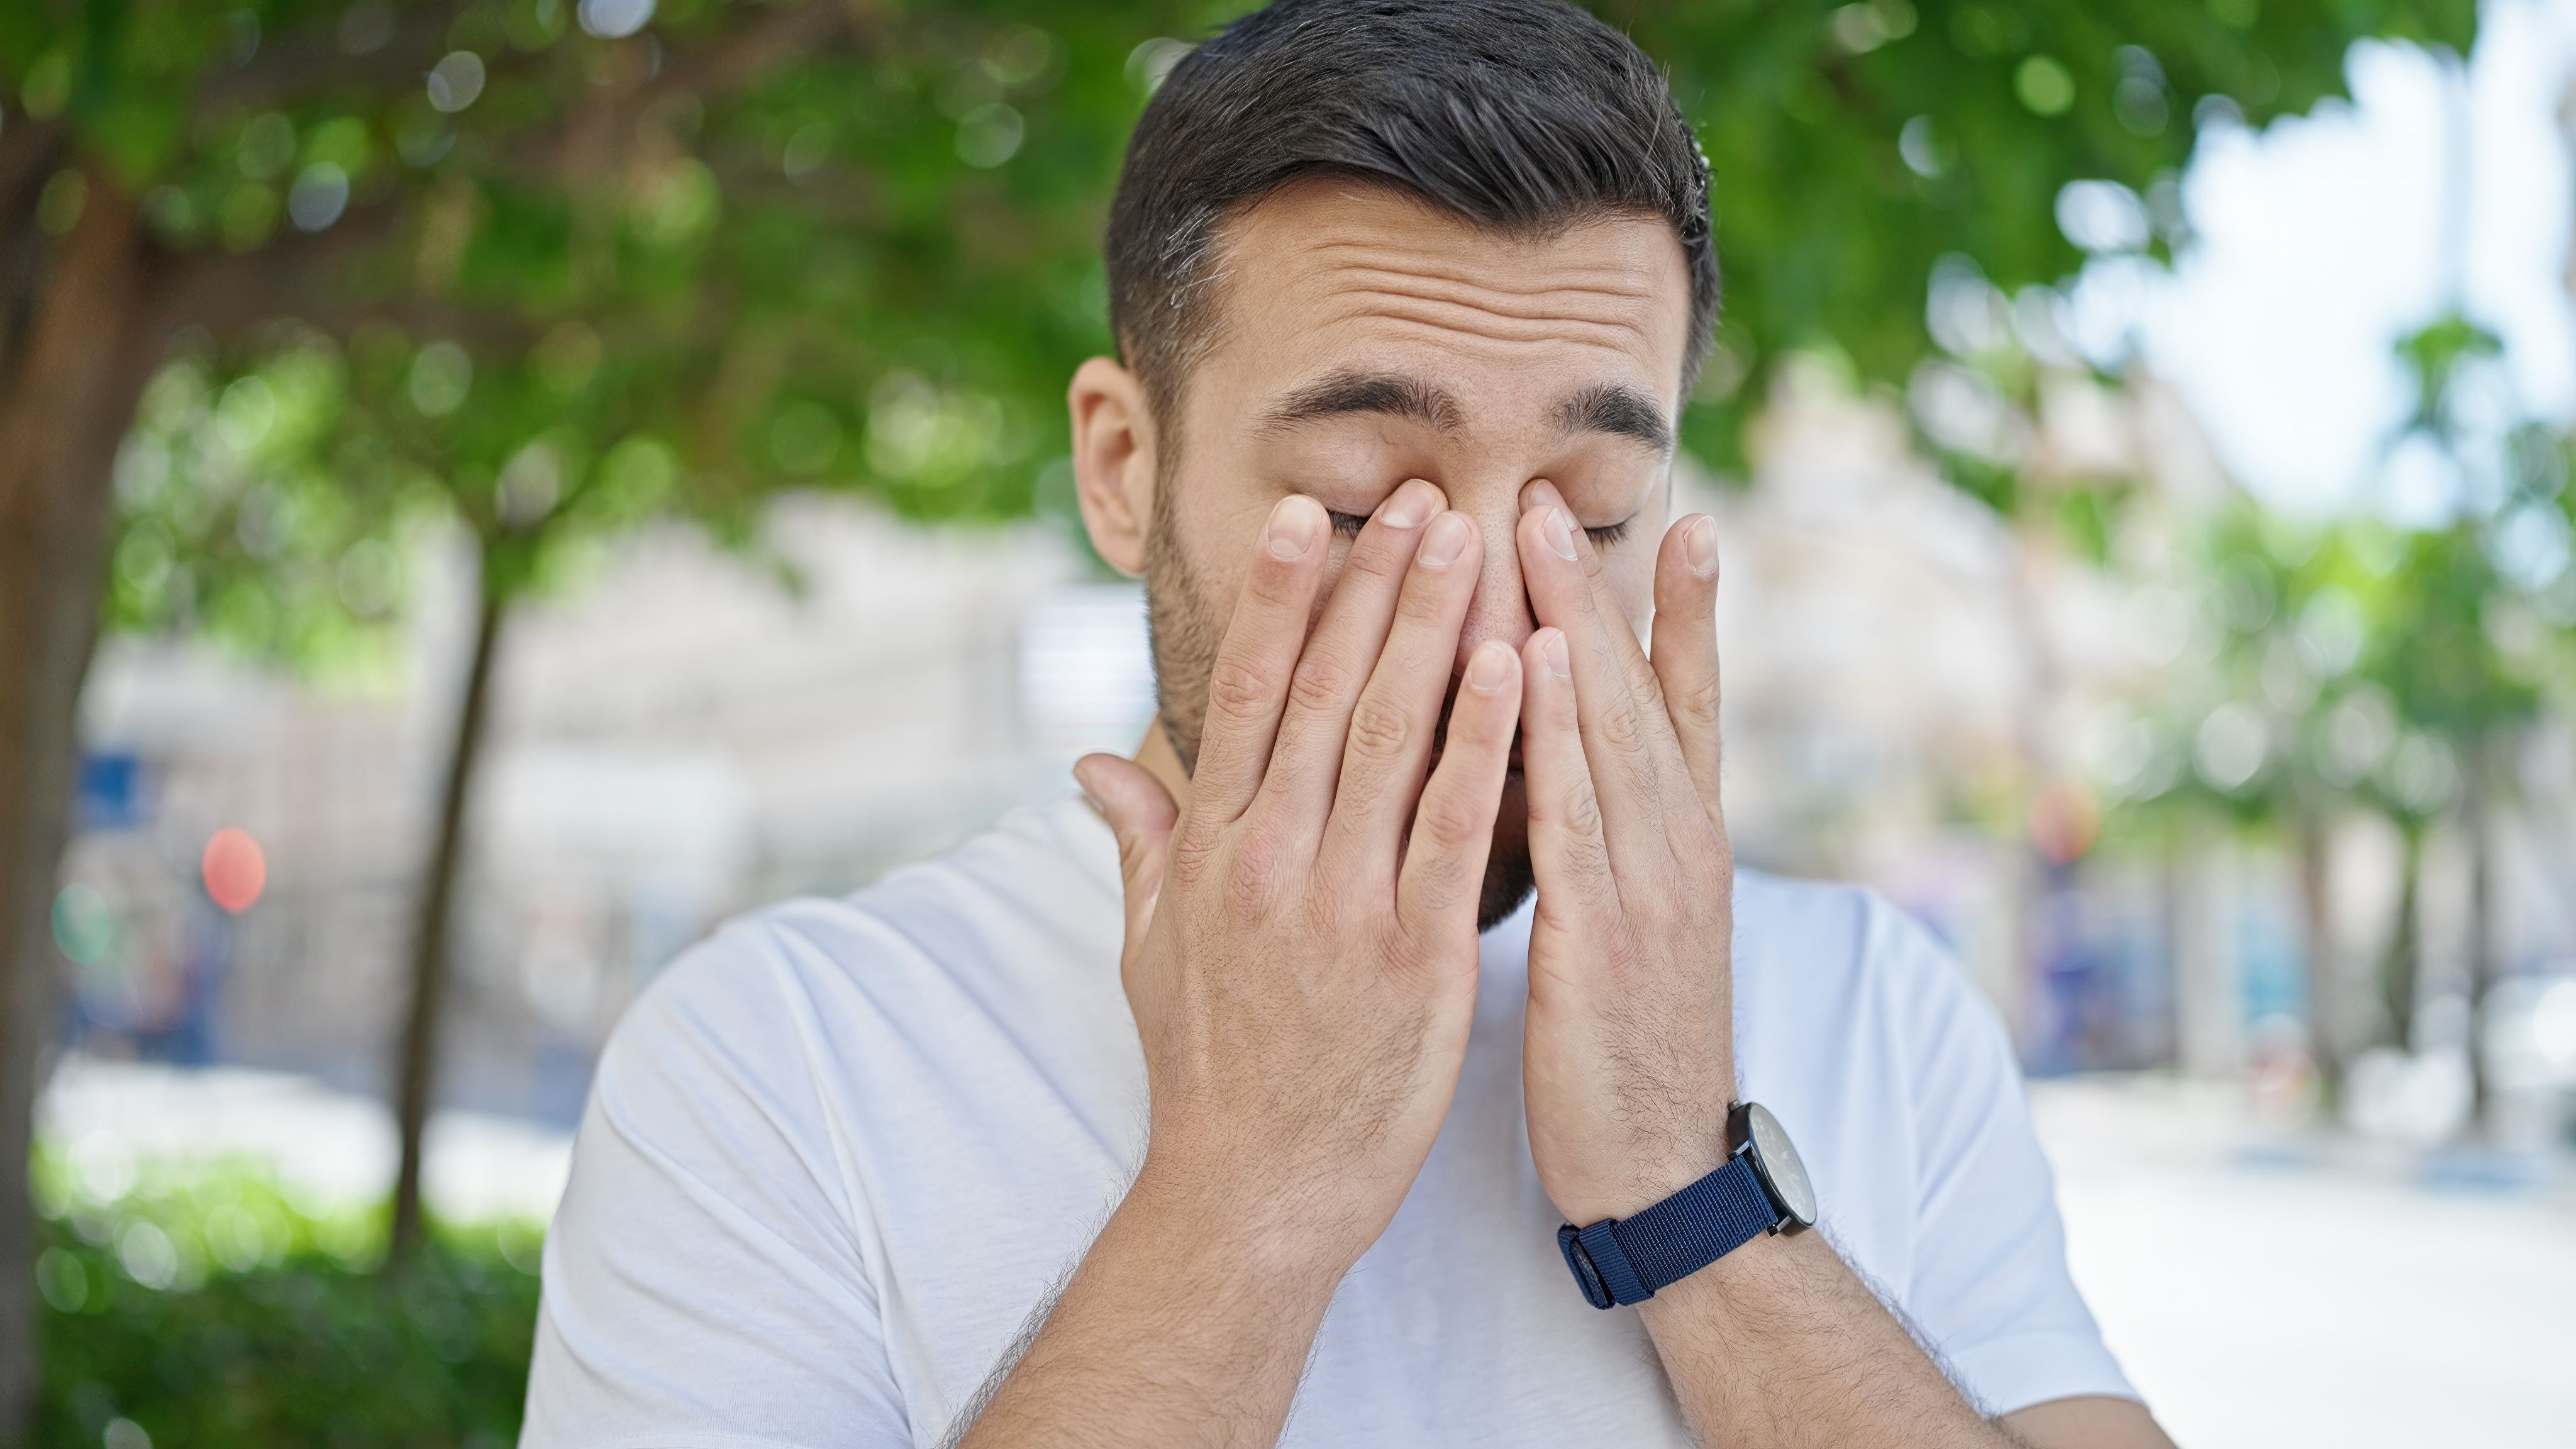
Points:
(1524, 116)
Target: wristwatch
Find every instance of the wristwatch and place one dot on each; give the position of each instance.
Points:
(1763, 1188)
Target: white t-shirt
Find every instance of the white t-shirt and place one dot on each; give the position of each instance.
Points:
(840, 1154)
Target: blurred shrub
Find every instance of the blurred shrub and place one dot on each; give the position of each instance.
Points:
(208, 1308)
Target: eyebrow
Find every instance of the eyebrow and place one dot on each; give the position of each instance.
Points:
(1388, 394)
(1622, 412)
(1608, 408)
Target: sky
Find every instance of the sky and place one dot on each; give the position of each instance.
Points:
(2322, 239)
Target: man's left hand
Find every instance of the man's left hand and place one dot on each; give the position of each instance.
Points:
(1629, 1058)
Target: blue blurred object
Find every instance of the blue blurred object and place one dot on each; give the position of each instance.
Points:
(111, 792)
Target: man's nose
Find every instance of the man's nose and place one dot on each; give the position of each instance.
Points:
(1500, 608)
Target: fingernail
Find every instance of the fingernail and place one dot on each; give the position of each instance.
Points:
(1559, 532)
(1700, 544)
(1082, 779)
(1553, 651)
(1291, 530)
(1410, 505)
(1486, 667)
(1536, 494)
(1446, 540)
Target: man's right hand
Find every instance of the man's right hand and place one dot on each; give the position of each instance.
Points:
(1301, 959)
(1301, 937)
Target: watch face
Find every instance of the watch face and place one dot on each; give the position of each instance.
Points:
(1777, 1161)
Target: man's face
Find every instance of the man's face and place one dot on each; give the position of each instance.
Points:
(1367, 339)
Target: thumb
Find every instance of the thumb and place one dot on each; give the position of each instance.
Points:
(1141, 814)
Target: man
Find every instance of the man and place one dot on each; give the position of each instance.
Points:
(1276, 1109)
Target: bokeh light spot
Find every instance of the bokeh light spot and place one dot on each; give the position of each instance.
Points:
(84, 926)
(236, 869)
(2065, 820)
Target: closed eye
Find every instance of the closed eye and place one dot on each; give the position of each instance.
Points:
(1348, 525)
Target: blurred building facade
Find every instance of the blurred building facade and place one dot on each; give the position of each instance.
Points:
(1919, 696)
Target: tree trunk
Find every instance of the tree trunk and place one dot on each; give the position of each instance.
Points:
(2316, 907)
(418, 1049)
(2401, 972)
(66, 396)
(2481, 951)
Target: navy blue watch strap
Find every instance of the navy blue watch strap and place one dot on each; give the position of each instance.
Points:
(1627, 1259)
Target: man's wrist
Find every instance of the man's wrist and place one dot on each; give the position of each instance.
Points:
(1234, 1227)
(1682, 1157)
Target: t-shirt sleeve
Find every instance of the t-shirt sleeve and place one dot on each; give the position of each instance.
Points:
(1989, 1285)
(705, 1286)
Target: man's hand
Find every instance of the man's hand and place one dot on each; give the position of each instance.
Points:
(1630, 1049)
(1630, 1062)
(1301, 949)
(1301, 959)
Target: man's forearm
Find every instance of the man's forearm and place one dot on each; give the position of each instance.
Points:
(1779, 1344)
(1184, 1325)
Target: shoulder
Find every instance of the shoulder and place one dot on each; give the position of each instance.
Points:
(1828, 939)
(1843, 996)
(1040, 886)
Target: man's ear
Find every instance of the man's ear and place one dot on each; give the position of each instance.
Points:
(1113, 461)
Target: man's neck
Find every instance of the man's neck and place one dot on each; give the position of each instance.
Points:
(1156, 754)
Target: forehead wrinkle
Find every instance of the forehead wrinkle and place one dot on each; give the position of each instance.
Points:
(1451, 319)
(1633, 283)
(1556, 301)
(1616, 315)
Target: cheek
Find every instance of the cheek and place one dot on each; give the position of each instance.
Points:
(1215, 541)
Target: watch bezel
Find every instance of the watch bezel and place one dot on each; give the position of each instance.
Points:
(1743, 1142)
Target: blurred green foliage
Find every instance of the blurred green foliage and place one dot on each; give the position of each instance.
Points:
(205, 1307)
(1856, 146)
(551, 267)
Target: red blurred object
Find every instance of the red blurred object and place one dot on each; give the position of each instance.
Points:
(236, 869)
(2065, 820)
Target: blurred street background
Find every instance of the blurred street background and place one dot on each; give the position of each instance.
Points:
(584, 470)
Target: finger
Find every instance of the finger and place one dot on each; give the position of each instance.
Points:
(1685, 652)
(1568, 855)
(1618, 637)
(1262, 642)
(1306, 762)
(1626, 741)
(1443, 878)
(1140, 814)
(1389, 740)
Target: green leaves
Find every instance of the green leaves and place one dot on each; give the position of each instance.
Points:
(1844, 172)
(804, 245)
(209, 1309)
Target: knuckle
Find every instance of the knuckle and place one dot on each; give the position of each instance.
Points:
(1624, 728)
(1379, 729)
(1699, 702)
(1583, 818)
(1644, 682)
(1252, 885)
(1577, 812)
(1193, 850)
(1237, 687)
(1319, 683)
(1448, 821)
(1247, 895)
